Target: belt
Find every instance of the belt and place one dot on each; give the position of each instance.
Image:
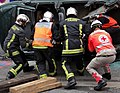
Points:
(105, 55)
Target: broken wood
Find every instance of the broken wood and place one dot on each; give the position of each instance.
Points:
(36, 86)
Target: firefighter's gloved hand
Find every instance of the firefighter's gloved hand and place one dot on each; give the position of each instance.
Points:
(30, 42)
(27, 40)
(54, 42)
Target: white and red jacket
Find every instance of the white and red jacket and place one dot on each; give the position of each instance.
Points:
(101, 42)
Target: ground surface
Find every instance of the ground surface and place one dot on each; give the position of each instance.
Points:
(85, 83)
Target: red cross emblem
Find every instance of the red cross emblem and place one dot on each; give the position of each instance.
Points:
(103, 38)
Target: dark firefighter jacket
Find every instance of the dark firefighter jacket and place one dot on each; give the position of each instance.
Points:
(71, 31)
(15, 39)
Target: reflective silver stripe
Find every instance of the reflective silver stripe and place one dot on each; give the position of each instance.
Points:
(42, 39)
(44, 24)
(101, 45)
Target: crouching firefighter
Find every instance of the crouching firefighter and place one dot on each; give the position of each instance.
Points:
(13, 43)
(42, 45)
(71, 32)
(100, 41)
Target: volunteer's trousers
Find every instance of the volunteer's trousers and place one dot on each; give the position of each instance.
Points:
(68, 62)
(41, 56)
(99, 66)
(20, 61)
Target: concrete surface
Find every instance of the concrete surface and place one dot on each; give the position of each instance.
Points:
(85, 84)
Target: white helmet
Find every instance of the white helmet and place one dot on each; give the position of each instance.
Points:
(71, 10)
(22, 18)
(95, 23)
(47, 16)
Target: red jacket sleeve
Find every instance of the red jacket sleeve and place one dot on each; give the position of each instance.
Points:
(90, 44)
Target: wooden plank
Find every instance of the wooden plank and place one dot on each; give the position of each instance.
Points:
(5, 85)
(48, 87)
(36, 86)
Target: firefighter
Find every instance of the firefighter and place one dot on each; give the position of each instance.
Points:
(110, 25)
(13, 43)
(71, 32)
(43, 45)
(100, 41)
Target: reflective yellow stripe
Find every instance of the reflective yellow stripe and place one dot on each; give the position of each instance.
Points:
(43, 76)
(15, 53)
(11, 40)
(18, 68)
(15, 28)
(80, 29)
(68, 75)
(66, 34)
(40, 47)
(72, 19)
(54, 65)
(64, 68)
(73, 51)
(6, 54)
(13, 71)
(66, 44)
(53, 73)
(65, 29)
(37, 68)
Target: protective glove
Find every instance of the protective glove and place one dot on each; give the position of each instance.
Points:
(54, 42)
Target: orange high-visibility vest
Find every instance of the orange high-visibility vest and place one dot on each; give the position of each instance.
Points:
(43, 34)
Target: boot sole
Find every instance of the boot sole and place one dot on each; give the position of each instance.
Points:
(100, 87)
(70, 87)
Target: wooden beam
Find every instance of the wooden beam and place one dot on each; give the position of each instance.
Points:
(36, 86)
(6, 84)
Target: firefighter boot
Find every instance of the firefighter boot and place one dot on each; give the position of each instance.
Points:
(101, 84)
(10, 75)
(71, 83)
(107, 76)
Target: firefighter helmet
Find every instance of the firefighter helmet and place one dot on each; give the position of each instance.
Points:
(96, 23)
(47, 16)
(22, 19)
(71, 10)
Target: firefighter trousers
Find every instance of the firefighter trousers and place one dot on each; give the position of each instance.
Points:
(68, 62)
(41, 56)
(20, 61)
